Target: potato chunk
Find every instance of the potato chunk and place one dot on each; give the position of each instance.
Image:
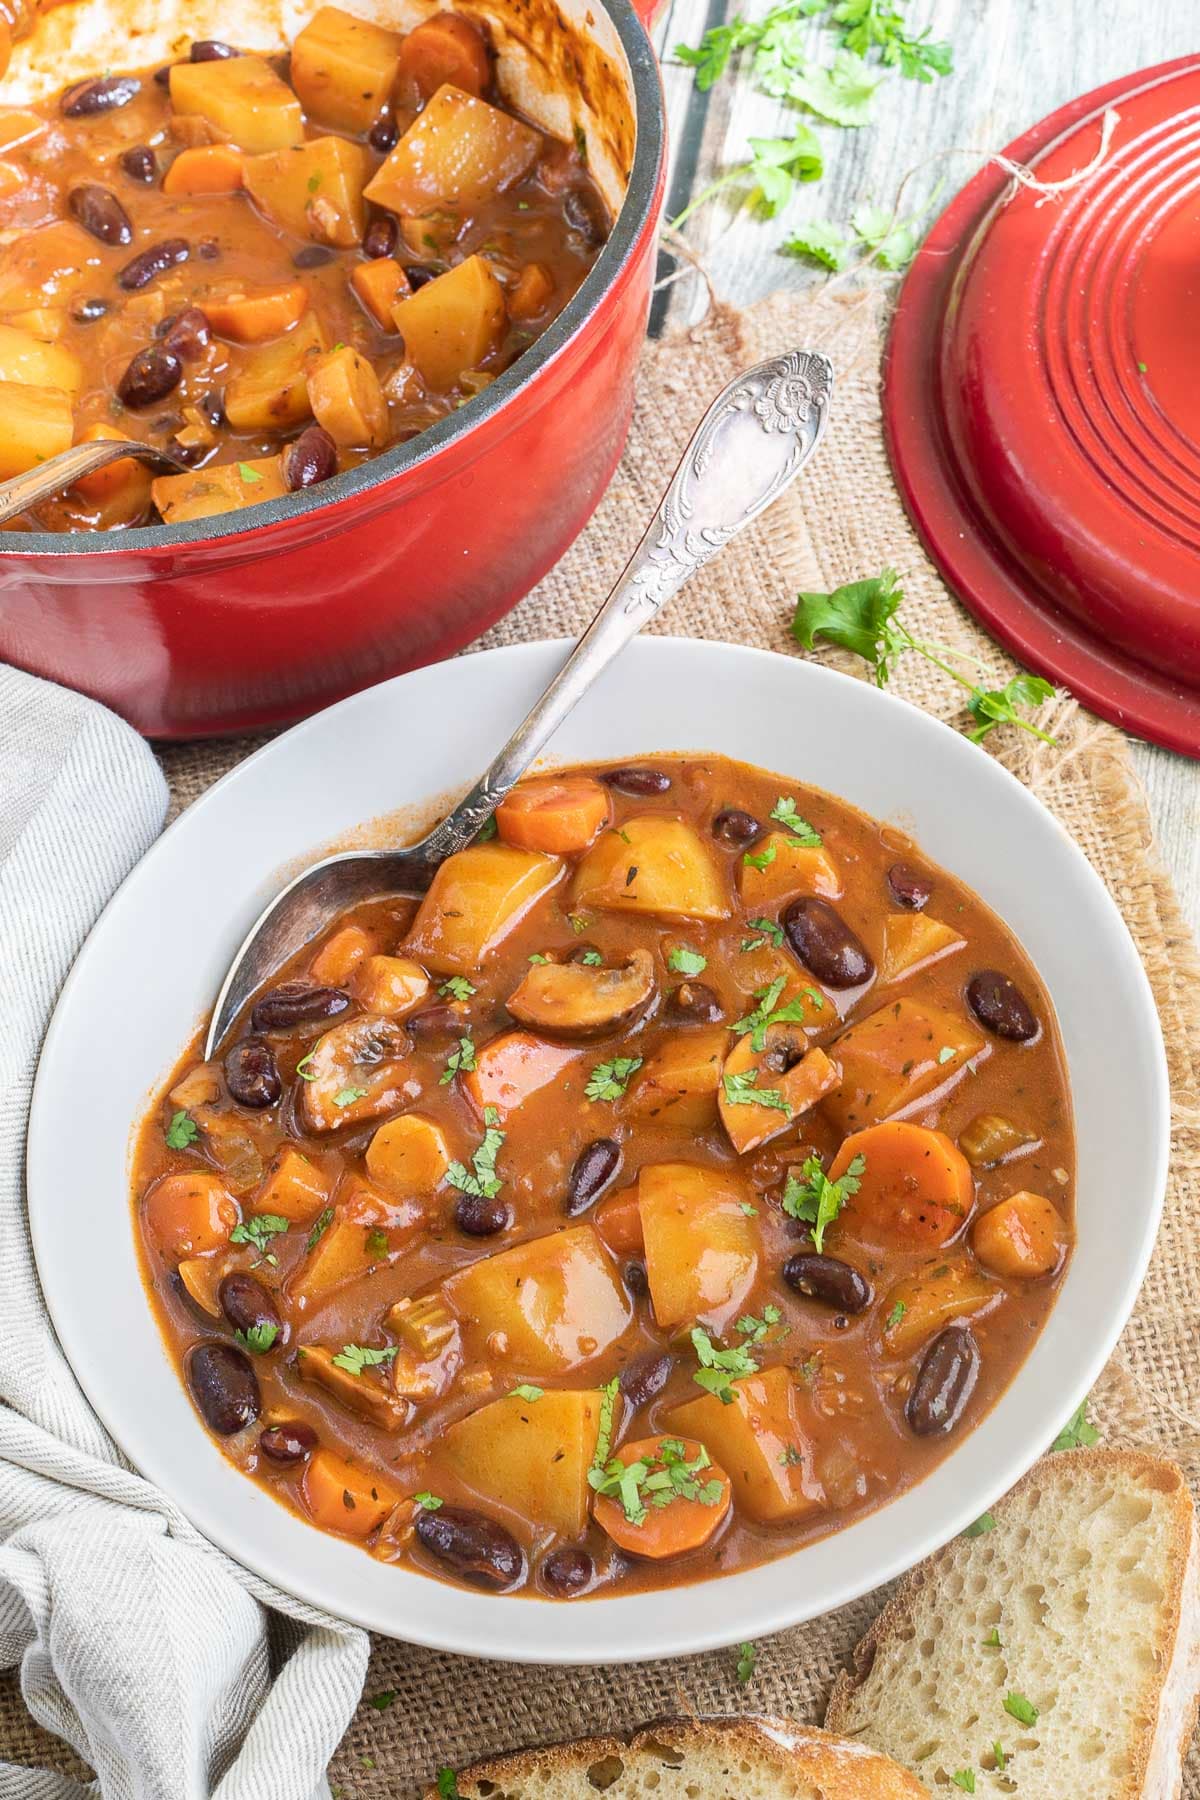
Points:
(702, 1247)
(678, 1085)
(120, 491)
(452, 323)
(347, 400)
(789, 869)
(790, 1076)
(343, 68)
(458, 153)
(915, 1310)
(1024, 1236)
(476, 898)
(225, 488)
(242, 99)
(343, 1496)
(759, 1441)
(314, 190)
(346, 1240)
(911, 941)
(35, 423)
(269, 391)
(530, 1455)
(393, 985)
(31, 360)
(294, 1189)
(654, 865)
(546, 1307)
(408, 1155)
(895, 1055)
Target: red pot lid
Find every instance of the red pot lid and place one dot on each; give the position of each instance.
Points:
(1042, 403)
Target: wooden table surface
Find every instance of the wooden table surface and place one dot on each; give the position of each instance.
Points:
(1014, 62)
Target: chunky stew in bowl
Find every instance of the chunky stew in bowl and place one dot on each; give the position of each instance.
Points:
(274, 267)
(676, 1182)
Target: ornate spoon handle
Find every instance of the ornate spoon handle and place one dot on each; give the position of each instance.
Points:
(753, 440)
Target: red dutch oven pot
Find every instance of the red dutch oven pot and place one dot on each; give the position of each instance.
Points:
(262, 616)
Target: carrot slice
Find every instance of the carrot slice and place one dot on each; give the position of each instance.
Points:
(681, 1524)
(1023, 1236)
(205, 169)
(445, 48)
(511, 1068)
(558, 817)
(916, 1186)
(341, 954)
(619, 1222)
(378, 285)
(339, 1496)
(190, 1214)
(532, 293)
(253, 318)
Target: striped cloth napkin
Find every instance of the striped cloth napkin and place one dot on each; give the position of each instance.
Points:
(172, 1672)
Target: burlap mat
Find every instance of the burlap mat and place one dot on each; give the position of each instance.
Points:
(841, 521)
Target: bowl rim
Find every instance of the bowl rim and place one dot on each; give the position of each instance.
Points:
(641, 1627)
(617, 253)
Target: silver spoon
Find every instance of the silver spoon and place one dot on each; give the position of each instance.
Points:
(753, 440)
(64, 470)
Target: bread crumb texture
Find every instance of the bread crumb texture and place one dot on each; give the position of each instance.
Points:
(1071, 1602)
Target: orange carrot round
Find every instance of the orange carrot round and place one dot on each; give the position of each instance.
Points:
(916, 1186)
(681, 1524)
(445, 48)
(190, 1214)
(560, 818)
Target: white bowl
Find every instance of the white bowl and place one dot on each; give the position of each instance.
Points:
(120, 1025)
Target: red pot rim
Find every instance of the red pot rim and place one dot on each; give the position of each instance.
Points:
(636, 217)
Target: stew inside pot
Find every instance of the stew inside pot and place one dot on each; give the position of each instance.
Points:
(678, 1181)
(274, 267)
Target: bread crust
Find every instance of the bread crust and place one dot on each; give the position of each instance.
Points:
(1178, 1644)
(840, 1769)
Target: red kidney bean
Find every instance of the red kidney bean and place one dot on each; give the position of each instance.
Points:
(152, 374)
(247, 1304)
(312, 458)
(99, 211)
(826, 1279)
(999, 1004)
(471, 1546)
(384, 134)
(825, 944)
(224, 1386)
(313, 256)
(567, 1571)
(694, 1003)
(139, 163)
(252, 1074)
(87, 311)
(381, 237)
(100, 95)
(733, 826)
(909, 887)
(481, 1215)
(211, 50)
(644, 1379)
(419, 273)
(189, 335)
(591, 1173)
(945, 1382)
(295, 1003)
(288, 1443)
(212, 405)
(147, 265)
(436, 1021)
(639, 782)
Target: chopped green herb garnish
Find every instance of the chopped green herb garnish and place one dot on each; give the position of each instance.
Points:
(755, 1330)
(608, 1404)
(354, 1358)
(427, 1501)
(816, 1200)
(946, 1053)
(983, 1524)
(487, 831)
(1077, 1433)
(247, 473)
(259, 1230)
(1020, 1709)
(992, 1640)
(747, 1657)
(608, 1080)
(894, 1317)
(656, 1480)
(768, 933)
(457, 987)
(687, 962)
(447, 1784)
(348, 1095)
(527, 1392)
(537, 957)
(719, 1368)
(789, 1456)
(459, 1062)
(998, 1753)
(302, 1068)
(784, 813)
(260, 1337)
(481, 1178)
(763, 860)
(182, 1131)
(592, 958)
(768, 1012)
(743, 1090)
(377, 1243)
(321, 1225)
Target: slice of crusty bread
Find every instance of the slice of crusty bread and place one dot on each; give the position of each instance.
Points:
(696, 1759)
(1091, 1580)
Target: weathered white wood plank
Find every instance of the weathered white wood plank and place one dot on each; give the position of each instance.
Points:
(1013, 63)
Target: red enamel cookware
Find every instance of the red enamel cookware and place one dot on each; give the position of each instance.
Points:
(1042, 404)
(269, 613)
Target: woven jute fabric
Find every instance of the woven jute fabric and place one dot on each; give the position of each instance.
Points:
(843, 520)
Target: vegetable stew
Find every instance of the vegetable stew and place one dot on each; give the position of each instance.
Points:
(274, 267)
(676, 1182)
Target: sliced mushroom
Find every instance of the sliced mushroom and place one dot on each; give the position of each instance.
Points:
(792, 1075)
(356, 1071)
(365, 1393)
(578, 1000)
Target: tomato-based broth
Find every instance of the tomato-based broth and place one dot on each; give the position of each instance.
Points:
(679, 1180)
(273, 267)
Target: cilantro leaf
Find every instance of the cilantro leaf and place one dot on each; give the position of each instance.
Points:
(771, 174)
(608, 1403)
(686, 962)
(593, 959)
(842, 93)
(755, 1330)
(747, 1657)
(816, 1200)
(656, 1480)
(743, 1090)
(428, 1502)
(893, 241)
(348, 1095)
(1077, 1433)
(354, 1358)
(819, 242)
(894, 1317)
(481, 1178)
(182, 1131)
(460, 1061)
(247, 473)
(526, 1391)
(381, 1701)
(321, 1225)
(457, 987)
(879, 25)
(983, 1524)
(769, 933)
(784, 813)
(719, 1368)
(259, 1230)
(260, 1337)
(1020, 1709)
(768, 1013)
(998, 706)
(447, 1784)
(763, 859)
(608, 1080)
(997, 1747)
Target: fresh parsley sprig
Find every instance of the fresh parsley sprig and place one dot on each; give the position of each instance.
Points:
(354, 1358)
(720, 1368)
(259, 1231)
(608, 1080)
(860, 616)
(817, 1201)
(743, 1090)
(481, 1178)
(768, 1012)
(775, 167)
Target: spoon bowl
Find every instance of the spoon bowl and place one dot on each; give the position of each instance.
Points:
(60, 472)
